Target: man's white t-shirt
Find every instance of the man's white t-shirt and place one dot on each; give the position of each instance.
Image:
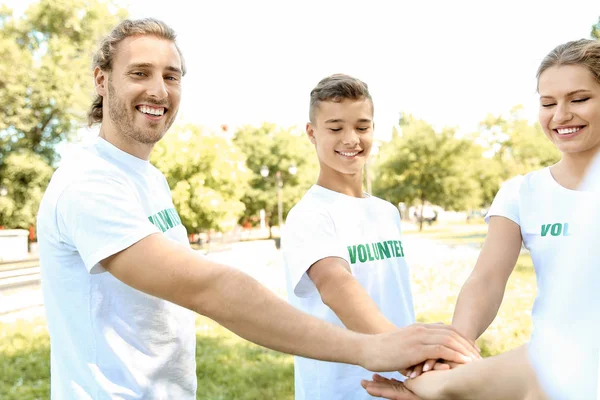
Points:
(544, 211)
(108, 340)
(365, 232)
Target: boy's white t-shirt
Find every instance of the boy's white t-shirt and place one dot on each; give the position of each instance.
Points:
(365, 232)
(108, 340)
(543, 209)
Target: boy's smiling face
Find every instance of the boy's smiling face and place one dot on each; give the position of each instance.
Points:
(342, 132)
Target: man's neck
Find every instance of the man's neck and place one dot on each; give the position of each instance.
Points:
(350, 185)
(122, 142)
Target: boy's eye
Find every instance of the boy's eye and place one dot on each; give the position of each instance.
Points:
(335, 129)
(581, 100)
(548, 105)
(363, 129)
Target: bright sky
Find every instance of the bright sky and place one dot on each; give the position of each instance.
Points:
(448, 62)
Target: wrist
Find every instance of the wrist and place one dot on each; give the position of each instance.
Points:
(361, 349)
(465, 330)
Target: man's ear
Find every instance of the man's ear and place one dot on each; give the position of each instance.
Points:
(100, 81)
(310, 132)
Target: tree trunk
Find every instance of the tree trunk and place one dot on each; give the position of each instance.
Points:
(421, 216)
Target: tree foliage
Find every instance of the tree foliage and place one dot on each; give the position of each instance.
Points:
(207, 176)
(423, 165)
(25, 178)
(45, 74)
(278, 150)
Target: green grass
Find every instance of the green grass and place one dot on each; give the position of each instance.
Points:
(228, 367)
(231, 368)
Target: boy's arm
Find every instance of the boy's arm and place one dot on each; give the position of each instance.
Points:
(346, 297)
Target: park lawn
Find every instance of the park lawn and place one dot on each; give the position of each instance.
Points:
(228, 367)
(453, 234)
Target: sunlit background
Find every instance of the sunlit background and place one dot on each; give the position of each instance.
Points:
(454, 88)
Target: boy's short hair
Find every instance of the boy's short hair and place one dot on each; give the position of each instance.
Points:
(336, 88)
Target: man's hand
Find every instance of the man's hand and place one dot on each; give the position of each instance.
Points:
(412, 345)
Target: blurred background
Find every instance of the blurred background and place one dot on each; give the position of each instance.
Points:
(454, 89)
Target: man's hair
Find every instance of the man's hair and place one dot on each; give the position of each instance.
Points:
(584, 52)
(108, 47)
(336, 88)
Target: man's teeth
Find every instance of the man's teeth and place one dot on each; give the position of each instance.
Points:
(151, 110)
(349, 154)
(566, 131)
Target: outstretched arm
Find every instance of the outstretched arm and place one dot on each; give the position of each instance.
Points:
(163, 268)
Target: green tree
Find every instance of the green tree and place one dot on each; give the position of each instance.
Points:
(278, 150)
(24, 179)
(595, 33)
(207, 177)
(518, 145)
(45, 75)
(424, 166)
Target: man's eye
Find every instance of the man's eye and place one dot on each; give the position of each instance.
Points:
(548, 105)
(139, 73)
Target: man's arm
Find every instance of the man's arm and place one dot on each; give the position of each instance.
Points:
(346, 297)
(482, 294)
(163, 268)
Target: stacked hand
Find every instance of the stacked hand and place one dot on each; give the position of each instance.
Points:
(408, 347)
(434, 349)
(426, 387)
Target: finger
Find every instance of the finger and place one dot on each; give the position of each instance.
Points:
(379, 378)
(468, 342)
(446, 353)
(388, 391)
(429, 365)
(417, 371)
(452, 340)
(441, 366)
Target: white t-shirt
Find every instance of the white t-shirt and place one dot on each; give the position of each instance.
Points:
(108, 340)
(565, 346)
(365, 232)
(544, 211)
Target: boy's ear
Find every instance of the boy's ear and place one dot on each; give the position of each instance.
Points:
(310, 132)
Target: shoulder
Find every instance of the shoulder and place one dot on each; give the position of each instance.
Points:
(308, 211)
(383, 204)
(537, 179)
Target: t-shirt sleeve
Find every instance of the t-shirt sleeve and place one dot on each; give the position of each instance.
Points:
(307, 238)
(506, 202)
(101, 216)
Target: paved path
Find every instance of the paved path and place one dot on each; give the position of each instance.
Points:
(437, 269)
